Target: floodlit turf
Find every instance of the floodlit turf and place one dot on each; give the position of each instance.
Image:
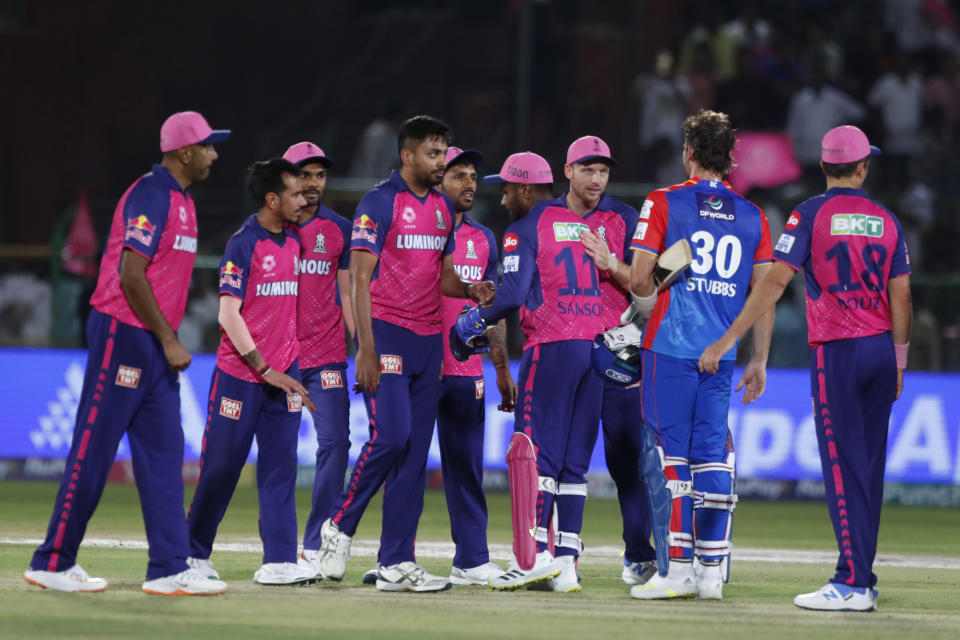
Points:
(914, 603)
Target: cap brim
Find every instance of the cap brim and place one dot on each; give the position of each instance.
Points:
(324, 160)
(493, 179)
(586, 159)
(473, 157)
(218, 135)
(875, 151)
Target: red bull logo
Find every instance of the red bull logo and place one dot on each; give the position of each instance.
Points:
(364, 228)
(140, 229)
(231, 275)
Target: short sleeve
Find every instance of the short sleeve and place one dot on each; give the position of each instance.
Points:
(519, 268)
(630, 220)
(490, 275)
(145, 216)
(451, 244)
(793, 246)
(764, 252)
(900, 265)
(344, 226)
(651, 224)
(372, 221)
(235, 266)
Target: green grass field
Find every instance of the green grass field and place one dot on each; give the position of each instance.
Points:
(915, 602)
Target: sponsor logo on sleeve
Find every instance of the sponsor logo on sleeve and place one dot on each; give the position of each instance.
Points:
(856, 224)
(568, 231)
(128, 377)
(230, 408)
(645, 209)
(510, 241)
(231, 275)
(139, 229)
(511, 264)
(294, 402)
(391, 364)
(792, 221)
(364, 228)
(331, 380)
(479, 386)
(785, 243)
(641, 231)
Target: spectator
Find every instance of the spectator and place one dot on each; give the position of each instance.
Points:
(897, 97)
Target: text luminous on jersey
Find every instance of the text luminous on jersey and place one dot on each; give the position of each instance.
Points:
(856, 224)
(568, 231)
(318, 267)
(420, 241)
(281, 288)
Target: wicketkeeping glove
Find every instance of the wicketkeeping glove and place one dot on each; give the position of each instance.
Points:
(468, 334)
(625, 335)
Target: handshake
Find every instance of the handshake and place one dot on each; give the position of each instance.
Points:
(468, 335)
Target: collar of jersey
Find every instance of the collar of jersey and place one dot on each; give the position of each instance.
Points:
(166, 177)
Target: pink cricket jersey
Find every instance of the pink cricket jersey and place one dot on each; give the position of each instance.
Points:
(475, 259)
(157, 219)
(410, 235)
(848, 247)
(262, 273)
(324, 250)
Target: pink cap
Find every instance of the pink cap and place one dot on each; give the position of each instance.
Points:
(523, 168)
(188, 127)
(588, 148)
(845, 144)
(305, 152)
(456, 154)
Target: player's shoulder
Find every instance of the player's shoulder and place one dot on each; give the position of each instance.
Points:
(623, 209)
(155, 185)
(329, 214)
(247, 236)
(660, 195)
(479, 226)
(382, 193)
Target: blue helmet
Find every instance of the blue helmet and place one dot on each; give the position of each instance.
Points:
(621, 368)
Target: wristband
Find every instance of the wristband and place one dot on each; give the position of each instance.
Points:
(263, 370)
(612, 263)
(901, 351)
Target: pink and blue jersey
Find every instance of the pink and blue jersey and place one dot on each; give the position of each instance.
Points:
(262, 272)
(475, 259)
(324, 249)
(729, 236)
(615, 223)
(548, 275)
(157, 219)
(848, 248)
(411, 236)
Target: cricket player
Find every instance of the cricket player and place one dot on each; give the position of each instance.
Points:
(255, 389)
(401, 262)
(612, 226)
(460, 415)
(324, 287)
(132, 382)
(857, 272)
(549, 277)
(686, 408)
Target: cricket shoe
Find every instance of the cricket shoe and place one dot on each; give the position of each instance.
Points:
(680, 582)
(192, 582)
(710, 582)
(74, 579)
(544, 567)
(284, 573)
(837, 597)
(567, 581)
(637, 572)
(409, 576)
(205, 566)
(370, 576)
(334, 551)
(308, 560)
(475, 576)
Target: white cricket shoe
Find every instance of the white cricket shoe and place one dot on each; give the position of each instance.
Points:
(837, 597)
(74, 579)
(409, 576)
(334, 552)
(680, 582)
(192, 582)
(475, 576)
(710, 582)
(567, 581)
(637, 572)
(370, 575)
(309, 560)
(283, 573)
(544, 568)
(205, 566)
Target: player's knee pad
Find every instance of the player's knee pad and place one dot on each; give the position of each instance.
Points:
(680, 483)
(713, 503)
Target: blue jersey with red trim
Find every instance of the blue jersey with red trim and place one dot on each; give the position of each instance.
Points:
(728, 235)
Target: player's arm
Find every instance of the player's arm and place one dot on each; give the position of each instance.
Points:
(362, 265)
(346, 305)
(236, 329)
(761, 300)
(501, 362)
(901, 319)
(454, 287)
(755, 375)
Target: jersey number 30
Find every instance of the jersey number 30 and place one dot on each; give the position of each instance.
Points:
(726, 257)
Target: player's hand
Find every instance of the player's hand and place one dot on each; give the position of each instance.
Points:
(289, 385)
(482, 293)
(598, 251)
(177, 356)
(367, 369)
(754, 379)
(508, 390)
(899, 384)
(710, 358)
